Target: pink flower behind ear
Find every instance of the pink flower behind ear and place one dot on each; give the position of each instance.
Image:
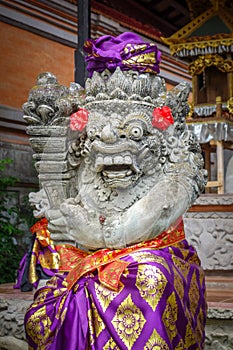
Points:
(79, 119)
(162, 118)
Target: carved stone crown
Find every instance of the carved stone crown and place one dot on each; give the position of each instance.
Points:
(143, 89)
(124, 85)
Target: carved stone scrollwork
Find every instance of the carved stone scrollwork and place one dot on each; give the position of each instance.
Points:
(213, 240)
(12, 335)
(49, 103)
(219, 335)
(211, 232)
(214, 200)
(47, 113)
(218, 313)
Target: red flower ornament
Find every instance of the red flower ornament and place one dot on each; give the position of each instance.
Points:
(162, 118)
(79, 119)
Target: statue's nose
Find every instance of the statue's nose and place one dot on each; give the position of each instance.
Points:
(109, 134)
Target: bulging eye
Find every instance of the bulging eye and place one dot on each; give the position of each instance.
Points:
(135, 132)
(92, 132)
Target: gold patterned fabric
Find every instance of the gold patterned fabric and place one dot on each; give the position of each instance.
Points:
(42, 260)
(159, 304)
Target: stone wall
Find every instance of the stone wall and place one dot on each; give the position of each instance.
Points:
(209, 228)
(219, 328)
(12, 336)
(27, 55)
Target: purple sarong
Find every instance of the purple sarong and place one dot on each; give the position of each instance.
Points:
(160, 304)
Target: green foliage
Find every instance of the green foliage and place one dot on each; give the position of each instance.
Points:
(10, 234)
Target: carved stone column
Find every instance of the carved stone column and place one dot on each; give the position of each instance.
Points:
(47, 111)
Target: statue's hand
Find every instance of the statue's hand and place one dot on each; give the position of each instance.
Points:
(75, 215)
(82, 225)
(57, 223)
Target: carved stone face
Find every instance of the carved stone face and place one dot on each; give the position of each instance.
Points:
(123, 147)
(122, 156)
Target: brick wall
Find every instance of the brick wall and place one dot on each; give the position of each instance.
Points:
(23, 56)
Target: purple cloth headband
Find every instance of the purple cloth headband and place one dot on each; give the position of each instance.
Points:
(126, 51)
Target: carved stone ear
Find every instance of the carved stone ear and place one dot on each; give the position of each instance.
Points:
(177, 100)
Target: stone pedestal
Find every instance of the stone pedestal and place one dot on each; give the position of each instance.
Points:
(13, 306)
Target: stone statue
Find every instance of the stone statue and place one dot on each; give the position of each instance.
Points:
(124, 166)
(118, 169)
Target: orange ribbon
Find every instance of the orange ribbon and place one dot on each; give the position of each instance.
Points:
(40, 228)
(108, 264)
(106, 261)
(39, 225)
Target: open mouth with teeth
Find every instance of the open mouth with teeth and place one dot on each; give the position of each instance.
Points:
(117, 170)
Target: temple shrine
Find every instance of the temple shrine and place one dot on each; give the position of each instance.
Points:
(206, 43)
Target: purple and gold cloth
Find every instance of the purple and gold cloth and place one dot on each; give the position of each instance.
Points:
(42, 260)
(127, 51)
(159, 304)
